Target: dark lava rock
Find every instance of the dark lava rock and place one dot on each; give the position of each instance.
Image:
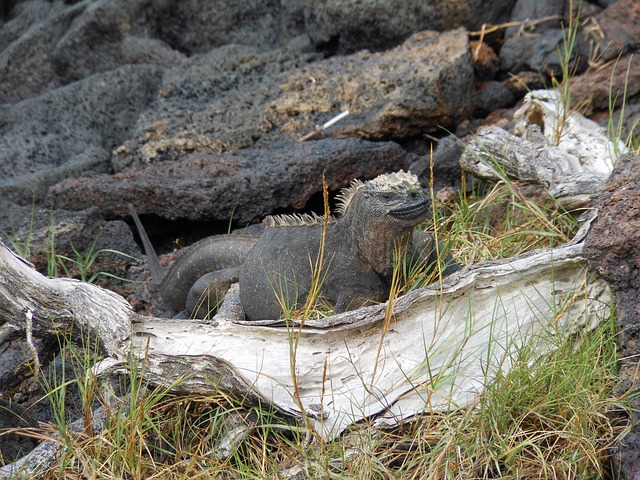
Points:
(605, 3)
(618, 32)
(445, 164)
(347, 26)
(52, 44)
(537, 52)
(612, 248)
(16, 360)
(41, 234)
(231, 98)
(69, 130)
(235, 97)
(245, 186)
(533, 43)
(539, 46)
(75, 76)
(197, 26)
(14, 446)
(491, 96)
(214, 102)
(535, 16)
(45, 45)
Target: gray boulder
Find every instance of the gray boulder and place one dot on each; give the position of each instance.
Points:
(45, 45)
(235, 97)
(246, 185)
(346, 26)
(69, 130)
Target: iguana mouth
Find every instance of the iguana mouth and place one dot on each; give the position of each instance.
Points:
(409, 212)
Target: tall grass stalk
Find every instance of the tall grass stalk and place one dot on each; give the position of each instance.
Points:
(318, 273)
(568, 68)
(615, 131)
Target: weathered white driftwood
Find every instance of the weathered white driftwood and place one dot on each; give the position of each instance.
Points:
(30, 302)
(569, 155)
(442, 344)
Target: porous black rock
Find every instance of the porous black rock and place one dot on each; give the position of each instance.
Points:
(612, 248)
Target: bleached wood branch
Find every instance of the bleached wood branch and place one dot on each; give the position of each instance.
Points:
(53, 306)
(436, 352)
(443, 343)
(568, 154)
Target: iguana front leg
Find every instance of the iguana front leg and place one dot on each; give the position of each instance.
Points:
(351, 302)
(424, 252)
(207, 293)
(360, 291)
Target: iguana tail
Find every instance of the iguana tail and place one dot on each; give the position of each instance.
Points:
(157, 272)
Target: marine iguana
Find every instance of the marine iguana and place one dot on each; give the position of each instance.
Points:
(375, 217)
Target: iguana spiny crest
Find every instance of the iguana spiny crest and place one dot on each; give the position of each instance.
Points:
(383, 192)
(382, 187)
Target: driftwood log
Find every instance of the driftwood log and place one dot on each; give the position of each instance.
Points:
(432, 349)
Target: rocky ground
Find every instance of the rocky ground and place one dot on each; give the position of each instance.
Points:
(208, 115)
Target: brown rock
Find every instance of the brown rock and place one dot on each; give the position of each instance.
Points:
(594, 89)
(615, 30)
(613, 244)
(485, 60)
(613, 250)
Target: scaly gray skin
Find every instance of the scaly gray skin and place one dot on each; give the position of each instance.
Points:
(210, 265)
(200, 277)
(359, 252)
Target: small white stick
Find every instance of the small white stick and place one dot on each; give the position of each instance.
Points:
(32, 348)
(335, 119)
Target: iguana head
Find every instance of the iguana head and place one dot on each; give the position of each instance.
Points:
(394, 199)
